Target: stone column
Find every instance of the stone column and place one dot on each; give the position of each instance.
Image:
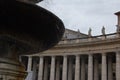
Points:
(118, 65)
(96, 68)
(70, 69)
(77, 68)
(40, 71)
(83, 67)
(64, 71)
(34, 70)
(104, 67)
(52, 70)
(20, 58)
(110, 72)
(46, 70)
(58, 70)
(90, 67)
(29, 66)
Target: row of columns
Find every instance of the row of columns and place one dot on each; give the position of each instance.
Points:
(118, 66)
(80, 68)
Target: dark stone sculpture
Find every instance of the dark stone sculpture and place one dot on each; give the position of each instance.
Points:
(25, 29)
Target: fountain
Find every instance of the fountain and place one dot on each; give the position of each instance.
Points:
(25, 28)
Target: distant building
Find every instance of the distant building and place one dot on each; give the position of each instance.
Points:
(78, 57)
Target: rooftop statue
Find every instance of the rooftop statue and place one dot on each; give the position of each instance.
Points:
(103, 30)
(89, 32)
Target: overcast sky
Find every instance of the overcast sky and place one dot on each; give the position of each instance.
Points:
(85, 14)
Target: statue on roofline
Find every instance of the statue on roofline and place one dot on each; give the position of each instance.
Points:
(103, 30)
(89, 32)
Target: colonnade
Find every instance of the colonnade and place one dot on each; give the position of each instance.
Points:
(103, 66)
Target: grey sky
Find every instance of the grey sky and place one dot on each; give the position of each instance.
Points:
(85, 14)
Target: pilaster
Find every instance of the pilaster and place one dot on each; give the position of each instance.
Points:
(64, 72)
(40, 70)
(29, 66)
(77, 67)
(52, 70)
(104, 67)
(118, 65)
(90, 67)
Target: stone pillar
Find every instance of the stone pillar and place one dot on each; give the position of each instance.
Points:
(83, 67)
(20, 58)
(64, 71)
(104, 67)
(45, 70)
(118, 65)
(90, 67)
(96, 68)
(52, 70)
(70, 69)
(118, 31)
(40, 71)
(110, 71)
(58, 70)
(34, 70)
(29, 66)
(77, 68)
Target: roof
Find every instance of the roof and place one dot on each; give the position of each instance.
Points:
(78, 32)
(35, 1)
(30, 1)
(71, 34)
(117, 13)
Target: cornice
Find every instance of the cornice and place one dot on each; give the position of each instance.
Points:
(89, 43)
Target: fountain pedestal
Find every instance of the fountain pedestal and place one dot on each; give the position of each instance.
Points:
(11, 70)
(10, 66)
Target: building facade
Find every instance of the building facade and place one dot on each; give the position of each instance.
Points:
(78, 57)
